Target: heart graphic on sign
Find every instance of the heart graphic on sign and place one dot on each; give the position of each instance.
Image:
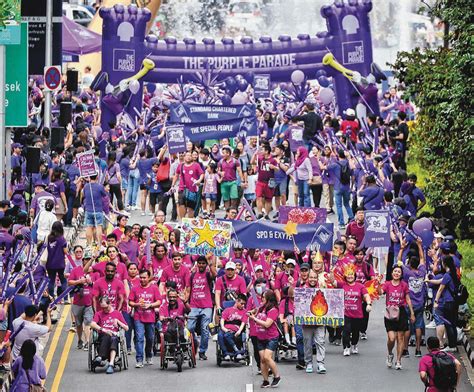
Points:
(302, 216)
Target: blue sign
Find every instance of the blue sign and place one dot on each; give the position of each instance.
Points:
(377, 229)
(175, 138)
(269, 235)
(261, 86)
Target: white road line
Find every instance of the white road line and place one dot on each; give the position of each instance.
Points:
(248, 387)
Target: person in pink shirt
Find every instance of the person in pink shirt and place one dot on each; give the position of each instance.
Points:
(253, 303)
(112, 256)
(354, 294)
(356, 227)
(229, 286)
(133, 280)
(265, 318)
(232, 325)
(144, 298)
(107, 322)
(82, 300)
(287, 278)
(396, 319)
(159, 261)
(172, 314)
(286, 314)
(109, 286)
(178, 273)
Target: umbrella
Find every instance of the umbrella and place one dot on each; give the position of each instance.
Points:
(78, 39)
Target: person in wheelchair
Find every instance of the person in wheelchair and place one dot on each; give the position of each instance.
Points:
(172, 317)
(286, 315)
(232, 324)
(107, 322)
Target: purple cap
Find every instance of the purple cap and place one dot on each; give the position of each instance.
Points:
(17, 200)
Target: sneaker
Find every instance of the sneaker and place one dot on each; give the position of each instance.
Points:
(363, 336)
(355, 349)
(80, 345)
(129, 351)
(139, 365)
(423, 342)
(309, 368)
(149, 361)
(321, 368)
(227, 357)
(288, 354)
(202, 357)
(275, 382)
(418, 353)
(347, 352)
(85, 347)
(265, 384)
(342, 227)
(294, 354)
(239, 357)
(431, 325)
(214, 338)
(143, 213)
(259, 371)
(337, 342)
(72, 328)
(98, 361)
(398, 365)
(110, 370)
(293, 341)
(448, 349)
(406, 354)
(390, 360)
(412, 342)
(332, 339)
(300, 366)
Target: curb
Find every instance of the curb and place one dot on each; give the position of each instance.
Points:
(469, 351)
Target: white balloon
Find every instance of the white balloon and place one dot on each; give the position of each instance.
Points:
(356, 77)
(239, 98)
(134, 86)
(371, 79)
(109, 89)
(326, 95)
(297, 77)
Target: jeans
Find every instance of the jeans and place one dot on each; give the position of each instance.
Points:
(342, 197)
(314, 334)
(449, 311)
(52, 280)
(70, 201)
(205, 316)
(132, 190)
(144, 331)
(303, 194)
(299, 343)
(131, 327)
(226, 340)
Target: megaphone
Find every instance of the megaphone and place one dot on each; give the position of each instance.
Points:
(147, 65)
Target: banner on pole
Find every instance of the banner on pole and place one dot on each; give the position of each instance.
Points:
(262, 86)
(175, 138)
(201, 236)
(86, 164)
(377, 229)
(315, 306)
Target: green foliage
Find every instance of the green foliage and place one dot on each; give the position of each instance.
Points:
(441, 82)
(7, 9)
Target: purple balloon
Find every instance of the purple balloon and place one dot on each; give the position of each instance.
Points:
(249, 76)
(230, 81)
(427, 236)
(238, 78)
(323, 81)
(226, 100)
(422, 224)
(242, 85)
(320, 73)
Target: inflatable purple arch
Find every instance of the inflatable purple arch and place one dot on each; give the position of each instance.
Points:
(125, 46)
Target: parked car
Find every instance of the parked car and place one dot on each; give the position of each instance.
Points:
(77, 13)
(244, 17)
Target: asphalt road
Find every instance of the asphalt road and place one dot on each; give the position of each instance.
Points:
(363, 372)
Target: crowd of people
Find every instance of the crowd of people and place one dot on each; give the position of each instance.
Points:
(136, 277)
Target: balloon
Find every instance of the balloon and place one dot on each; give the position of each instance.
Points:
(283, 86)
(323, 81)
(134, 86)
(238, 77)
(422, 224)
(226, 100)
(230, 90)
(242, 85)
(297, 77)
(239, 98)
(427, 236)
(320, 73)
(249, 76)
(326, 95)
(151, 87)
(230, 81)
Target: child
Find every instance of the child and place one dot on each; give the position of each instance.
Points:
(249, 192)
(287, 310)
(211, 178)
(45, 220)
(232, 324)
(154, 187)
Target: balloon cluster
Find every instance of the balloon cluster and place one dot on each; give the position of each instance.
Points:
(326, 93)
(423, 228)
(235, 89)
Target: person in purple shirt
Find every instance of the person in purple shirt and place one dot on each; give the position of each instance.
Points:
(73, 174)
(144, 166)
(7, 241)
(56, 262)
(129, 246)
(28, 369)
(372, 194)
(342, 174)
(328, 178)
(412, 195)
(92, 195)
(39, 199)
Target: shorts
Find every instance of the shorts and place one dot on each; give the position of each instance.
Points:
(185, 202)
(400, 325)
(94, 219)
(250, 196)
(419, 320)
(124, 183)
(268, 344)
(264, 191)
(154, 198)
(210, 196)
(280, 189)
(229, 190)
(82, 314)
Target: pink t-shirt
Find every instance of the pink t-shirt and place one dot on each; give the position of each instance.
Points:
(252, 325)
(181, 277)
(148, 295)
(353, 296)
(210, 183)
(188, 174)
(200, 291)
(121, 272)
(233, 317)
(426, 365)
(282, 306)
(113, 290)
(237, 285)
(395, 295)
(271, 332)
(165, 311)
(107, 320)
(83, 298)
(157, 266)
(281, 280)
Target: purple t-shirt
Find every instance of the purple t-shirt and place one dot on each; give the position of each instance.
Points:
(39, 199)
(93, 193)
(56, 256)
(372, 197)
(229, 168)
(56, 188)
(415, 280)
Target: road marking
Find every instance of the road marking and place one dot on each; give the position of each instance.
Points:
(56, 336)
(248, 387)
(62, 362)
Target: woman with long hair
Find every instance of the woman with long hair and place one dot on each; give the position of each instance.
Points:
(28, 369)
(265, 318)
(56, 262)
(58, 190)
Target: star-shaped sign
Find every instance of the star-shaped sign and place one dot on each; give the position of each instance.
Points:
(206, 235)
(290, 228)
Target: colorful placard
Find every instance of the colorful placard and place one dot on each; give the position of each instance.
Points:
(201, 236)
(315, 306)
(86, 164)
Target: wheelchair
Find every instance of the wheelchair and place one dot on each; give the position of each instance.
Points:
(242, 343)
(121, 359)
(284, 350)
(179, 352)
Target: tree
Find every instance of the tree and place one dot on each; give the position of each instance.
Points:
(441, 83)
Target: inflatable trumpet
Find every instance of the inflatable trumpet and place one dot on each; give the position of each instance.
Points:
(330, 60)
(124, 84)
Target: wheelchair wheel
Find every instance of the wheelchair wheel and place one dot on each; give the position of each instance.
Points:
(192, 354)
(163, 362)
(156, 341)
(90, 358)
(218, 355)
(124, 356)
(277, 355)
(179, 362)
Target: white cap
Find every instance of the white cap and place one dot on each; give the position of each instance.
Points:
(258, 268)
(230, 265)
(291, 261)
(350, 112)
(438, 235)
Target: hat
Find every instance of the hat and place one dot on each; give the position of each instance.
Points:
(237, 261)
(403, 218)
(288, 115)
(305, 266)
(290, 261)
(258, 268)
(16, 145)
(350, 112)
(230, 265)
(40, 183)
(17, 200)
(438, 235)
(445, 246)
(449, 238)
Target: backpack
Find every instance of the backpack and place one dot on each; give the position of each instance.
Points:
(460, 295)
(345, 174)
(445, 376)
